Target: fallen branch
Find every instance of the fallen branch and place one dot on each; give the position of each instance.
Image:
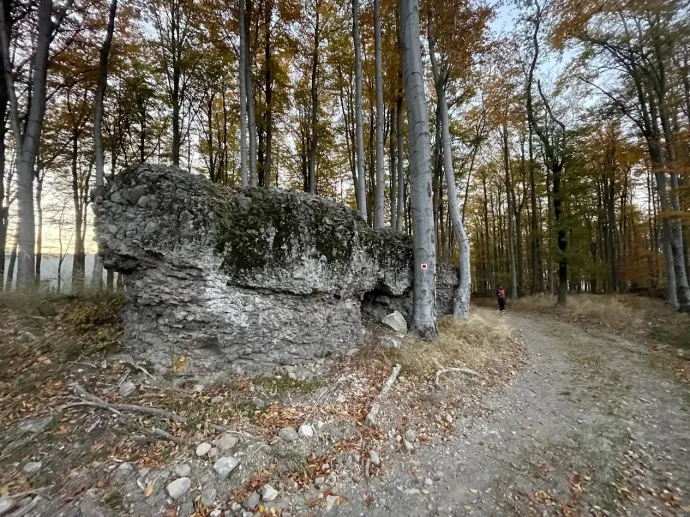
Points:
(26, 510)
(93, 400)
(153, 411)
(465, 371)
(376, 406)
(140, 368)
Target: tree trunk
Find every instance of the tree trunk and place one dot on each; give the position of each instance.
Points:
(97, 276)
(393, 170)
(268, 115)
(562, 243)
(509, 213)
(359, 130)
(424, 291)
(39, 227)
(78, 259)
(250, 97)
(401, 171)
(461, 300)
(244, 177)
(10, 267)
(314, 104)
(379, 196)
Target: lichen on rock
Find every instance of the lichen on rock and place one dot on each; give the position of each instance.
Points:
(246, 278)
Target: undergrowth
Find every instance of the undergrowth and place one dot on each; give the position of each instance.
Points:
(648, 317)
(478, 343)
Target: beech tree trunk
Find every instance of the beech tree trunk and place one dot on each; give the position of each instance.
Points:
(97, 275)
(27, 141)
(314, 104)
(461, 301)
(380, 187)
(393, 158)
(244, 177)
(423, 233)
(359, 130)
(250, 97)
(400, 219)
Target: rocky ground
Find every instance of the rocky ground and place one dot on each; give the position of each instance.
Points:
(580, 423)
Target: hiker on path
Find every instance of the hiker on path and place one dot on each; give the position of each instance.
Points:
(501, 295)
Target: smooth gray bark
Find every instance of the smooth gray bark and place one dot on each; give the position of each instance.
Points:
(379, 193)
(400, 219)
(97, 275)
(249, 85)
(28, 140)
(461, 301)
(423, 232)
(244, 178)
(359, 130)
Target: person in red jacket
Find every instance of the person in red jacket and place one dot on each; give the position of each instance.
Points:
(501, 295)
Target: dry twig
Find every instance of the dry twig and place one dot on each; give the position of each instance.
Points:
(376, 406)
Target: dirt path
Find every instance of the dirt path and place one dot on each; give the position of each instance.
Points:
(591, 426)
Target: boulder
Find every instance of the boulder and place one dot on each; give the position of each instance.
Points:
(179, 487)
(227, 278)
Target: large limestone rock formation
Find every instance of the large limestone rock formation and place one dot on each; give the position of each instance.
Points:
(248, 278)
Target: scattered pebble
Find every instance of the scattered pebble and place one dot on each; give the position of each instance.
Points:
(306, 431)
(203, 449)
(288, 434)
(127, 388)
(225, 465)
(183, 470)
(374, 457)
(217, 399)
(410, 435)
(408, 446)
(252, 501)
(179, 487)
(226, 442)
(331, 501)
(125, 467)
(269, 493)
(208, 495)
(7, 504)
(31, 467)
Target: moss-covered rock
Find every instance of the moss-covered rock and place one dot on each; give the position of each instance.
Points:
(242, 278)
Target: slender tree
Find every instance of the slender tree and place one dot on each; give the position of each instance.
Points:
(419, 141)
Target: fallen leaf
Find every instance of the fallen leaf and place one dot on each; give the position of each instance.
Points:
(474, 490)
(149, 488)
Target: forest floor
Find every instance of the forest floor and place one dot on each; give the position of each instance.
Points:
(582, 411)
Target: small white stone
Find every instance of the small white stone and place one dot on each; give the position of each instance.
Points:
(269, 493)
(217, 399)
(198, 388)
(408, 446)
(31, 467)
(127, 388)
(203, 449)
(374, 457)
(288, 434)
(225, 465)
(341, 399)
(306, 431)
(226, 442)
(331, 501)
(396, 321)
(125, 467)
(179, 487)
(428, 482)
(183, 470)
(7, 504)
(216, 513)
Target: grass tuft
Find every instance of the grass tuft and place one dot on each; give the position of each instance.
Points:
(476, 343)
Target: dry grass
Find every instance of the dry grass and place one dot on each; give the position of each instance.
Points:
(644, 316)
(478, 343)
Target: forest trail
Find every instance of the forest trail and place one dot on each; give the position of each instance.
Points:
(592, 425)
